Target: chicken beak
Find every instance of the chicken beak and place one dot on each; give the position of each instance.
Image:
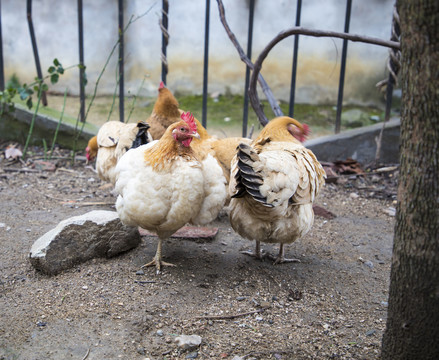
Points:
(196, 135)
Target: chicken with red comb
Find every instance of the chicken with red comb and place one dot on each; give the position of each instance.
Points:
(164, 185)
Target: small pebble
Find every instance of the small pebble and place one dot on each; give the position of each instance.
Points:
(141, 351)
(140, 272)
(192, 355)
(159, 332)
(369, 264)
(240, 298)
(371, 332)
(354, 195)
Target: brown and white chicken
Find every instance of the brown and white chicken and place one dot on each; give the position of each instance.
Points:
(114, 139)
(165, 184)
(164, 113)
(274, 182)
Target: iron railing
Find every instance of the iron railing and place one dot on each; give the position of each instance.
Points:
(165, 40)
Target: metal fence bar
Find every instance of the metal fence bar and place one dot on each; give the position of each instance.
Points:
(343, 68)
(81, 63)
(2, 70)
(121, 64)
(35, 48)
(295, 54)
(165, 38)
(206, 64)
(247, 69)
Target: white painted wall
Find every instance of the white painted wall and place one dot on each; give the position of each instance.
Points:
(55, 25)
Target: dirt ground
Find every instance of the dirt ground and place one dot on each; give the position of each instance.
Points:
(331, 305)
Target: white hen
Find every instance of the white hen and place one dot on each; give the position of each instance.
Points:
(163, 185)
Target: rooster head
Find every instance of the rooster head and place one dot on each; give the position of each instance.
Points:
(186, 129)
(162, 85)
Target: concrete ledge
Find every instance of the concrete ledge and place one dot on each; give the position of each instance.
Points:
(15, 127)
(359, 144)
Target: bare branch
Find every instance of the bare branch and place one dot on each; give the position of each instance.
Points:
(265, 88)
(253, 96)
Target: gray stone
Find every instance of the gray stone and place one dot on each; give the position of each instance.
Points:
(187, 342)
(98, 233)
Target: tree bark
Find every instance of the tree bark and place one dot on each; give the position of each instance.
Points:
(413, 315)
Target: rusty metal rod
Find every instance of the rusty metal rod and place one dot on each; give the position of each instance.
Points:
(35, 48)
(206, 64)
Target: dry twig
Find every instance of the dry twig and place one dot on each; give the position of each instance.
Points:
(252, 93)
(265, 88)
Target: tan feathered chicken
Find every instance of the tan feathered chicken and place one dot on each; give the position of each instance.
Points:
(166, 184)
(274, 182)
(114, 139)
(164, 113)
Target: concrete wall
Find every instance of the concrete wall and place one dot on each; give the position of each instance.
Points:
(359, 144)
(55, 25)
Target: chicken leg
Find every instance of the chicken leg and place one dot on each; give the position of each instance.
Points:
(280, 259)
(257, 254)
(157, 260)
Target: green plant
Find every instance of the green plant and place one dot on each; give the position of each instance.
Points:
(58, 125)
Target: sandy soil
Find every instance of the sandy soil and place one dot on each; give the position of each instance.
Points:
(331, 305)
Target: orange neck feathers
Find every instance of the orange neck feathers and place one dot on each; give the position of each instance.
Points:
(161, 155)
(281, 129)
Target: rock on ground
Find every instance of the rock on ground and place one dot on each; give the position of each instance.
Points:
(98, 233)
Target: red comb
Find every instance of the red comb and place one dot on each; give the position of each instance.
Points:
(162, 85)
(306, 129)
(189, 118)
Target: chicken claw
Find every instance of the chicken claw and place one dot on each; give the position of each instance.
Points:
(158, 264)
(257, 254)
(157, 260)
(280, 258)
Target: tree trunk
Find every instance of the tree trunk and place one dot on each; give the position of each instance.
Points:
(413, 315)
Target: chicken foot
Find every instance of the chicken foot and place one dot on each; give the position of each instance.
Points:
(157, 260)
(260, 255)
(280, 258)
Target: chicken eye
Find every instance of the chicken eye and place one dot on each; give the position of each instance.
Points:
(183, 129)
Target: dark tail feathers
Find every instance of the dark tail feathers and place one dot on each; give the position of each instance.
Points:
(142, 135)
(247, 179)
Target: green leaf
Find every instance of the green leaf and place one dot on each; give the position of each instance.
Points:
(84, 78)
(44, 87)
(60, 70)
(29, 103)
(54, 78)
(36, 87)
(51, 69)
(25, 92)
(56, 62)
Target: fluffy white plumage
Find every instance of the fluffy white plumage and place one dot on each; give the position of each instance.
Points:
(114, 138)
(164, 198)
